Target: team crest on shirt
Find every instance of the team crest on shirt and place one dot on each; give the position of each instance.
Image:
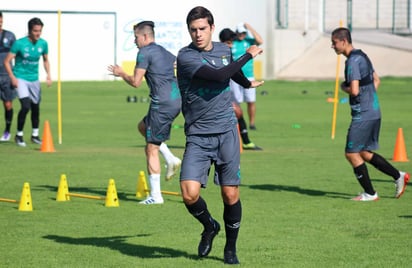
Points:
(225, 61)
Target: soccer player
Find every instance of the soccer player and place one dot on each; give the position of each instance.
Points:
(156, 64)
(361, 83)
(7, 93)
(227, 36)
(25, 77)
(239, 47)
(204, 69)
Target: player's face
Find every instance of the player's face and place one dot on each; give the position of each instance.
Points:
(338, 45)
(35, 33)
(1, 23)
(139, 39)
(201, 33)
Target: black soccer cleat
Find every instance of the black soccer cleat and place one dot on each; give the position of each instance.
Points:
(35, 139)
(205, 245)
(230, 257)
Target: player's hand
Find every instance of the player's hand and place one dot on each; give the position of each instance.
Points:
(254, 50)
(255, 84)
(49, 82)
(115, 70)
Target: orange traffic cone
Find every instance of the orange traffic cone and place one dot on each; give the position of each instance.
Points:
(399, 154)
(47, 142)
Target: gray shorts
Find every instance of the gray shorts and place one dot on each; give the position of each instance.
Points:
(159, 121)
(363, 136)
(221, 150)
(7, 92)
(28, 89)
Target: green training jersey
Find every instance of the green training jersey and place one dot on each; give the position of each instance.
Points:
(26, 65)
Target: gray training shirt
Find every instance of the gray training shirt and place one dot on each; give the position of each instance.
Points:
(206, 104)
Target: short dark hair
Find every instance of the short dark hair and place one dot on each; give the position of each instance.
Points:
(33, 22)
(227, 35)
(199, 12)
(342, 33)
(1, 14)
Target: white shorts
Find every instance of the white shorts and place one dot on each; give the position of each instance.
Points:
(243, 94)
(27, 89)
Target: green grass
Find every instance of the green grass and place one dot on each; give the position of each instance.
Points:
(295, 194)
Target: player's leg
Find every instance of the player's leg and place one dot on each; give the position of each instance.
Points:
(250, 99)
(194, 174)
(228, 176)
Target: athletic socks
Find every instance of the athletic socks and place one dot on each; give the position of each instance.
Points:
(200, 212)
(361, 173)
(232, 215)
(166, 153)
(243, 130)
(8, 115)
(155, 192)
(35, 132)
(384, 166)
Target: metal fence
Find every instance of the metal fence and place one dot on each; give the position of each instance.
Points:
(388, 15)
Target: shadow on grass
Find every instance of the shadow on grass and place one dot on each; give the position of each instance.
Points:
(119, 243)
(299, 190)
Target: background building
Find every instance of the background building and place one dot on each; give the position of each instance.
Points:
(86, 36)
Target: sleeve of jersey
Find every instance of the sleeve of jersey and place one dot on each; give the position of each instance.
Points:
(142, 59)
(224, 73)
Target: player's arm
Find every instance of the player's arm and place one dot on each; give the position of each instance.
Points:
(376, 80)
(7, 65)
(224, 73)
(255, 34)
(46, 65)
(208, 73)
(351, 88)
(134, 80)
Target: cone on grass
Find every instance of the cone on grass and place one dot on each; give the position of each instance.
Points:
(47, 145)
(25, 203)
(399, 154)
(142, 189)
(111, 195)
(63, 190)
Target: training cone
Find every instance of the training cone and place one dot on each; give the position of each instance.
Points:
(47, 142)
(142, 189)
(399, 154)
(111, 195)
(63, 190)
(25, 199)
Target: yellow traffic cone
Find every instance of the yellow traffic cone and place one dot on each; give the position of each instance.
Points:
(25, 199)
(63, 190)
(111, 196)
(142, 189)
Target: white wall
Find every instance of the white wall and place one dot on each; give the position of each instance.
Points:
(88, 43)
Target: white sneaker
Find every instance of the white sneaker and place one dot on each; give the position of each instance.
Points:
(172, 168)
(5, 137)
(400, 184)
(366, 197)
(151, 201)
(19, 141)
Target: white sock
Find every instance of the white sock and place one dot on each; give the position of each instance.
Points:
(155, 192)
(167, 154)
(20, 133)
(35, 132)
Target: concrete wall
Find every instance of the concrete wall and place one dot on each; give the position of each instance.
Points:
(90, 41)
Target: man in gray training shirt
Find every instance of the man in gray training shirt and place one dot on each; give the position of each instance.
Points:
(361, 83)
(204, 69)
(156, 64)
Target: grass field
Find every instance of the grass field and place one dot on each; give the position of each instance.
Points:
(295, 193)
